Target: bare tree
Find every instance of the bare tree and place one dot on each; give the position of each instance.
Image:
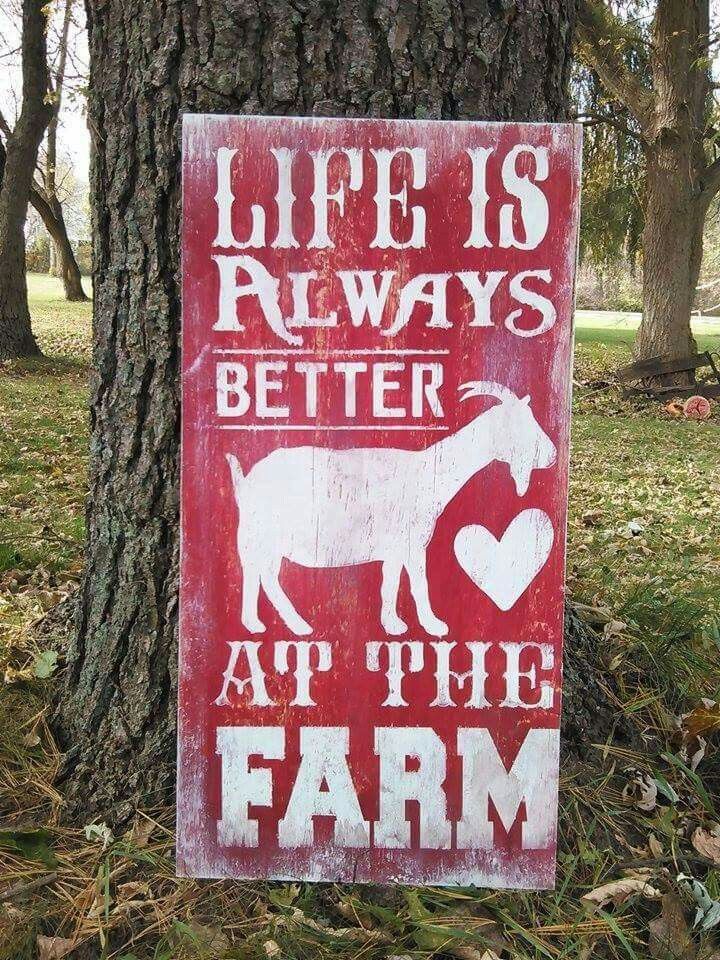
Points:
(45, 197)
(16, 337)
(53, 217)
(670, 114)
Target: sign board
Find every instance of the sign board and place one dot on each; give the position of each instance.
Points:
(377, 321)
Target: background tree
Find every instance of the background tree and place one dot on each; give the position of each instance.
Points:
(46, 195)
(613, 186)
(16, 338)
(51, 210)
(661, 91)
(150, 61)
(53, 182)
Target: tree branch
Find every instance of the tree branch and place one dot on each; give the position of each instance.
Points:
(600, 36)
(4, 125)
(593, 119)
(710, 181)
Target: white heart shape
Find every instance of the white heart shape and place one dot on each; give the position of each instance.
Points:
(504, 569)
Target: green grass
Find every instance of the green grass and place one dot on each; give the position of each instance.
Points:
(43, 457)
(631, 461)
(657, 590)
(601, 331)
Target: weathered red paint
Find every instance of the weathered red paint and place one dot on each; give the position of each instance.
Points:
(503, 604)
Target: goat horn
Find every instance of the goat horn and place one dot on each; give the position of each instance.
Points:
(485, 388)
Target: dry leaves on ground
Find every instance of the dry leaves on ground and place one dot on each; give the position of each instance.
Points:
(54, 948)
(707, 843)
(669, 933)
(618, 891)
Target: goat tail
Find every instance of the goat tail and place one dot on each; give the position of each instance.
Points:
(237, 475)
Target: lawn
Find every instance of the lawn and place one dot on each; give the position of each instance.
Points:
(643, 568)
(634, 463)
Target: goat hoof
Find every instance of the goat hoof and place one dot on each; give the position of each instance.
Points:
(299, 628)
(394, 627)
(254, 626)
(435, 627)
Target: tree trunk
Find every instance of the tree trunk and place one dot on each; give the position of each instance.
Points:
(672, 255)
(71, 276)
(66, 263)
(52, 259)
(60, 246)
(16, 337)
(62, 257)
(151, 60)
(671, 115)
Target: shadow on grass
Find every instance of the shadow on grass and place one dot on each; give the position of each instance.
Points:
(44, 365)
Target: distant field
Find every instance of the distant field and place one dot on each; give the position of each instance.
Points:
(614, 328)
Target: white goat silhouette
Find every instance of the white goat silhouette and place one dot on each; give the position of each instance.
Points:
(333, 508)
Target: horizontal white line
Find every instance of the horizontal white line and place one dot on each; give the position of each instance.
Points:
(323, 427)
(309, 353)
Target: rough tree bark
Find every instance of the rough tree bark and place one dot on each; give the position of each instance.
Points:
(672, 255)
(672, 118)
(16, 337)
(151, 60)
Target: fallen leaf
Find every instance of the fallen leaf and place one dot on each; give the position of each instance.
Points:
(141, 832)
(45, 664)
(613, 628)
(704, 719)
(689, 738)
(134, 889)
(359, 934)
(618, 891)
(592, 614)
(707, 914)
(101, 832)
(53, 948)
(641, 790)
(707, 845)
(656, 848)
(640, 873)
(692, 751)
(471, 953)
(669, 933)
(212, 939)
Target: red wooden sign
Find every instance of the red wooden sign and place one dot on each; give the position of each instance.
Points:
(377, 321)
